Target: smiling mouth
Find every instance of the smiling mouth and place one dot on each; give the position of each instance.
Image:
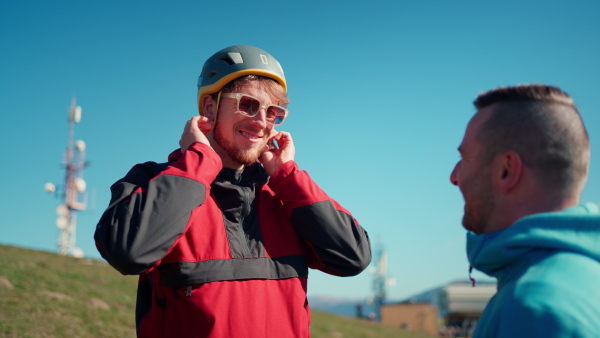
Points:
(250, 137)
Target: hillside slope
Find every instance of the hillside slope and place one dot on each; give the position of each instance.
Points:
(47, 295)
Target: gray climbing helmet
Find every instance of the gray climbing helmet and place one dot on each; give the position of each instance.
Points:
(233, 62)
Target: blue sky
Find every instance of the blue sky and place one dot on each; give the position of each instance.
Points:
(380, 94)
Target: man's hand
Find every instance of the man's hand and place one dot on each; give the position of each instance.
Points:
(273, 158)
(194, 132)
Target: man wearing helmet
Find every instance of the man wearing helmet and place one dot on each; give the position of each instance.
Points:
(223, 234)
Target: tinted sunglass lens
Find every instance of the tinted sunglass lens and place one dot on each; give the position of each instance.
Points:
(275, 115)
(249, 105)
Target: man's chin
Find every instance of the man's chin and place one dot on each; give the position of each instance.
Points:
(468, 224)
(468, 228)
(247, 158)
(475, 228)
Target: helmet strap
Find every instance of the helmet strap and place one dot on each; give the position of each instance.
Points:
(215, 111)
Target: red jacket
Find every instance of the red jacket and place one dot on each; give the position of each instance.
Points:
(224, 252)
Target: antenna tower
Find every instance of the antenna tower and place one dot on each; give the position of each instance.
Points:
(73, 190)
(381, 279)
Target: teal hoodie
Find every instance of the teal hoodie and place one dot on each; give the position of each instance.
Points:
(548, 271)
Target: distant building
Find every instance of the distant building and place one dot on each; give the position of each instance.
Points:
(457, 305)
(421, 317)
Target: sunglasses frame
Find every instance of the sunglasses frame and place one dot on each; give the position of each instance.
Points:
(238, 96)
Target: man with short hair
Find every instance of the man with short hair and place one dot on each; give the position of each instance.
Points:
(525, 157)
(222, 235)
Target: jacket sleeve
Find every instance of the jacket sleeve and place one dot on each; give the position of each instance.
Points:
(150, 208)
(340, 245)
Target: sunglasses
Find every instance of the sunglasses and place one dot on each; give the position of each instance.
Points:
(248, 105)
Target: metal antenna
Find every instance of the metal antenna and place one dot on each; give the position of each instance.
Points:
(381, 279)
(73, 190)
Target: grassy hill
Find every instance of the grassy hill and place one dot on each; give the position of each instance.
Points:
(47, 295)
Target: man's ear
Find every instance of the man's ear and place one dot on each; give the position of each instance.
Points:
(209, 107)
(508, 171)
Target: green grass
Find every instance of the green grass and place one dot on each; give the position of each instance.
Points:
(334, 326)
(47, 295)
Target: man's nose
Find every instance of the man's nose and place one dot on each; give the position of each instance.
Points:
(260, 119)
(453, 175)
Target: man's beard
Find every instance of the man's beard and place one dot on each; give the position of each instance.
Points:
(478, 205)
(247, 157)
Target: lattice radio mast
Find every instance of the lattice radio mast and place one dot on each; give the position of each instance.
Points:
(381, 279)
(73, 190)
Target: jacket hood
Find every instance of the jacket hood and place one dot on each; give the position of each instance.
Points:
(576, 229)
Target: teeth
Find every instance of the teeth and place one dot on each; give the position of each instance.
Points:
(250, 136)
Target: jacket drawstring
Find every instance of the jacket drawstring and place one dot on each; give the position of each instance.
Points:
(471, 278)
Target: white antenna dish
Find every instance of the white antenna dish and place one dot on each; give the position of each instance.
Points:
(80, 184)
(80, 145)
(75, 114)
(62, 222)
(77, 253)
(62, 210)
(50, 188)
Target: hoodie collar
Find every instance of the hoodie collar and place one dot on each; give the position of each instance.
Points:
(575, 229)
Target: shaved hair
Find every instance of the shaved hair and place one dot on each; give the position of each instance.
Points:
(542, 124)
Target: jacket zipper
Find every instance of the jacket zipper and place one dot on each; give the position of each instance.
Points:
(241, 231)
